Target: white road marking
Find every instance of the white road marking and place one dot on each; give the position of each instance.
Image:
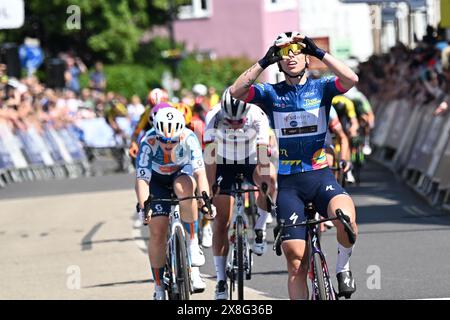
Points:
(419, 211)
(433, 299)
(410, 211)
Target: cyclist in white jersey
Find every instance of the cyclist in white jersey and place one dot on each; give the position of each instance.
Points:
(170, 161)
(237, 138)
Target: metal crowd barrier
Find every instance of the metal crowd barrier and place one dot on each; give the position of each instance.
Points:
(414, 144)
(55, 153)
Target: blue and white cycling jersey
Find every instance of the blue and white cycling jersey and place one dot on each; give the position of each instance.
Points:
(299, 114)
(151, 156)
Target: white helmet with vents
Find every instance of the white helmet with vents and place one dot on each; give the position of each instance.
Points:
(199, 90)
(285, 37)
(232, 108)
(169, 124)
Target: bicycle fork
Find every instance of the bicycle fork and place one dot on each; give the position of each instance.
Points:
(175, 222)
(233, 265)
(315, 249)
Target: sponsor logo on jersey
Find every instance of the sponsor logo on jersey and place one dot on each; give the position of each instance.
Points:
(302, 130)
(168, 169)
(291, 162)
(311, 102)
(310, 93)
(281, 105)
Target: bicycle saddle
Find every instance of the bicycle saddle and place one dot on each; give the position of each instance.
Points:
(310, 209)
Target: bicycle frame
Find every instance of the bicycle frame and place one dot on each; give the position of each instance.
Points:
(315, 248)
(174, 223)
(312, 227)
(238, 213)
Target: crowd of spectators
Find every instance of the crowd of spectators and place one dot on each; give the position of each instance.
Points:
(421, 75)
(28, 102)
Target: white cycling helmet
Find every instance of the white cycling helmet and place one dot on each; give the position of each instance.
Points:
(285, 37)
(156, 96)
(169, 124)
(199, 89)
(232, 108)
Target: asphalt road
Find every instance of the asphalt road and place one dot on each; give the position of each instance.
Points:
(79, 239)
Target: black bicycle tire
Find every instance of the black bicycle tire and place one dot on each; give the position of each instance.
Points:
(357, 166)
(167, 270)
(231, 285)
(240, 257)
(252, 208)
(181, 267)
(319, 276)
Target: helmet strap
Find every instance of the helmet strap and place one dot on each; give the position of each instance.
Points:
(299, 75)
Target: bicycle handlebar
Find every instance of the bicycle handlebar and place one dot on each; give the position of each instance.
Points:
(239, 190)
(342, 217)
(174, 200)
(345, 220)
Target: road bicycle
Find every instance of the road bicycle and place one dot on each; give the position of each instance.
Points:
(358, 158)
(338, 169)
(239, 261)
(177, 269)
(321, 284)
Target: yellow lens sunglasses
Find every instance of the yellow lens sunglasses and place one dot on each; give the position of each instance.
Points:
(296, 49)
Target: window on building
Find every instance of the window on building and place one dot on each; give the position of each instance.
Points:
(280, 5)
(195, 9)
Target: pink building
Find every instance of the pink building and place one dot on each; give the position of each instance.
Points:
(232, 28)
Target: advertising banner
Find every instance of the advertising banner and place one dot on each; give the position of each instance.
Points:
(72, 144)
(12, 146)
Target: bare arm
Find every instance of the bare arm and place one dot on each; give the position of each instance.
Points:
(354, 127)
(202, 181)
(240, 88)
(81, 65)
(142, 191)
(345, 146)
(210, 164)
(347, 77)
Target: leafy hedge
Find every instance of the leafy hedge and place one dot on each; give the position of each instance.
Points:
(218, 73)
(129, 79)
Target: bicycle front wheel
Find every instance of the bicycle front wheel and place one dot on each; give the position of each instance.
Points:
(181, 266)
(319, 278)
(240, 256)
(252, 209)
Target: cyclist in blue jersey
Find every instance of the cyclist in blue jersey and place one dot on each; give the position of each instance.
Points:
(299, 112)
(170, 160)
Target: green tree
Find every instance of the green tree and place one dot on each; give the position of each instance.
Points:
(109, 30)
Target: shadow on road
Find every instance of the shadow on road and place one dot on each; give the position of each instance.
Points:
(113, 284)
